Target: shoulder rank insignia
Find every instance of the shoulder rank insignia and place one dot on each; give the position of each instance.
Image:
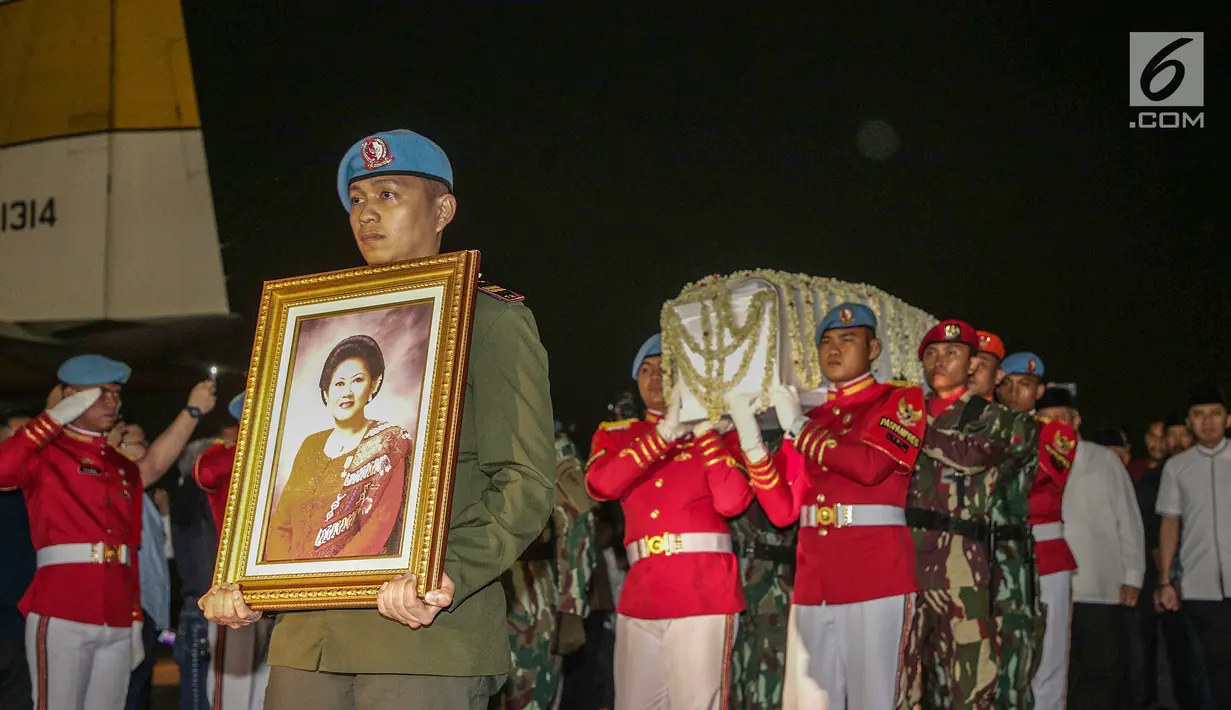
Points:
(501, 292)
(616, 426)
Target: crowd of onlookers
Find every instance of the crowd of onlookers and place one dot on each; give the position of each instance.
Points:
(1163, 660)
(1165, 664)
(176, 564)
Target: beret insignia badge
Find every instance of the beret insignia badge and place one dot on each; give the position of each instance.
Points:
(375, 152)
(845, 315)
(953, 331)
(1031, 366)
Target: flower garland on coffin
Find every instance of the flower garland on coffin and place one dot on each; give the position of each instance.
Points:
(750, 330)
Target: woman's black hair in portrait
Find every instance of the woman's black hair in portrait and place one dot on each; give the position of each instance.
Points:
(361, 346)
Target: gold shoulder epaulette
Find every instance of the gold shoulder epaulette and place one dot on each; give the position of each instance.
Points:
(616, 426)
(501, 292)
(902, 383)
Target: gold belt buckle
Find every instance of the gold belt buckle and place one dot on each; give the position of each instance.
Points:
(111, 553)
(665, 544)
(836, 515)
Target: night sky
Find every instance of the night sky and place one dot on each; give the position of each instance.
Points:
(603, 160)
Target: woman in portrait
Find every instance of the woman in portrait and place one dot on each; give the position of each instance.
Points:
(344, 494)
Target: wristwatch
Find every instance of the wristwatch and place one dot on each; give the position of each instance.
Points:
(194, 412)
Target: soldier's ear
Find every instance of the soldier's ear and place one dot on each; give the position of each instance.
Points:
(874, 348)
(1038, 391)
(1000, 378)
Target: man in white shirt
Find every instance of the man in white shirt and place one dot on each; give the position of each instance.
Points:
(1196, 492)
(1102, 526)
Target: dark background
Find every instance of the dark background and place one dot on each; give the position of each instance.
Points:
(606, 157)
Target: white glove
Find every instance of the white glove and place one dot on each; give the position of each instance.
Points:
(739, 406)
(669, 427)
(138, 644)
(74, 405)
(786, 403)
(702, 428)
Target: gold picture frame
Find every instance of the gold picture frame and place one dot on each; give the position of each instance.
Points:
(315, 335)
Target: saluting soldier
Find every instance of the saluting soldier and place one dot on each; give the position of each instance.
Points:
(238, 672)
(843, 474)
(681, 600)
(951, 648)
(1056, 446)
(84, 619)
(397, 187)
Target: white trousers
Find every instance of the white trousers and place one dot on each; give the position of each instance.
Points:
(1051, 682)
(75, 666)
(842, 656)
(674, 664)
(238, 672)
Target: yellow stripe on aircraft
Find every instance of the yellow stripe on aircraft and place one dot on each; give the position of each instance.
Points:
(59, 76)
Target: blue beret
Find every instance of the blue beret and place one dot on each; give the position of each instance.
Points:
(846, 315)
(399, 152)
(652, 347)
(93, 370)
(236, 407)
(1023, 364)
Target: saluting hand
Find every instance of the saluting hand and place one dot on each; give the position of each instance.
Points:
(224, 605)
(67, 409)
(399, 600)
(204, 396)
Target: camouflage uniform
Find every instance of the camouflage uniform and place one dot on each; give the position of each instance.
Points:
(546, 591)
(767, 567)
(950, 649)
(1018, 612)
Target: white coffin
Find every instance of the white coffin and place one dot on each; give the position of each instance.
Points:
(694, 336)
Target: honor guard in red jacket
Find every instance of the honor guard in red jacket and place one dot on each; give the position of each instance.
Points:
(1022, 390)
(682, 597)
(238, 672)
(83, 610)
(843, 473)
(212, 470)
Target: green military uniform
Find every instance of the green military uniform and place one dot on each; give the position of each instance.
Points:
(547, 591)
(503, 489)
(767, 568)
(1018, 612)
(951, 648)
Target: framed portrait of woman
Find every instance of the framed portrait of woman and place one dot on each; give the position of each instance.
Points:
(348, 441)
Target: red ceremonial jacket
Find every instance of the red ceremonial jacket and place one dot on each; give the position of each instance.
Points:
(690, 485)
(212, 472)
(858, 448)
(1057, 447)
(78, 490)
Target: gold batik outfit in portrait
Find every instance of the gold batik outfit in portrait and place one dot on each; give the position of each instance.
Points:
(344, 506)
